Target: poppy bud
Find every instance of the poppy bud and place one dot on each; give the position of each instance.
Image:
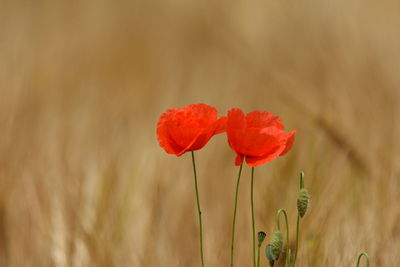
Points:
(270, 256)
(261, 237)
(302, 202)
(276, 244)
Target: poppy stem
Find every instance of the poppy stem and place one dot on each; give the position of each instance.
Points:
(287, 233)
(252, 216)
(297, 239)
(234, 213)
(298, 221)
(198, 209)
(366, 258)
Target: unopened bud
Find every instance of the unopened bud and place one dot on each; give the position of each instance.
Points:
(261, 237)
(302, 202)
(276, 244)
(270, 256)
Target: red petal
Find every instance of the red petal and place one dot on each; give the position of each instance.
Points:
(188, 128)
(259, 136)
(283, 146)
(198, 116)
(269, 156)
(221, 125)
(235, 125)
(183, 136)
(239, 160)
(199, 142)
(289, 142)
(257, 142)
(236, 119)
(263, 119)
(163, 135)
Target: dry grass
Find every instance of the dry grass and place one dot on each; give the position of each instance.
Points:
(82, 83)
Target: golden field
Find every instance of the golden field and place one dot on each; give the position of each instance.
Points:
(83, 181)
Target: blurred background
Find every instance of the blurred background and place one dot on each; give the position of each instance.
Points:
(83, 181)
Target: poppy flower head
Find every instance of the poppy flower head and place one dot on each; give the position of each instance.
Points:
(258, 136)
(189, 128)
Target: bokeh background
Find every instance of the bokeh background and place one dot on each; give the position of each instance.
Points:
(83, 181)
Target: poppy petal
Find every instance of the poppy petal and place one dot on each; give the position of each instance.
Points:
(189, 128)
(239, 160)
(256, 142)
(258, 137)
(221, 125)
(163, 134)
(199, 142)
(235, 126)
(167, 143)
(199, 115)
(196, 144)
(269, 156)
(236, 119)
(289, 142)
(263, 119)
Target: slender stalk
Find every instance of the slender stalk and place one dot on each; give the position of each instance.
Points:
(258, 255)
(199, 210)
(297, 239)
(287, 232)
(298, 221)
(301, 180)
(234, 212)
(287, 263)
(366, 258)
(252, 216)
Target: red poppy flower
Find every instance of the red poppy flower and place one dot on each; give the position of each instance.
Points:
(189, 128)
(258, 136)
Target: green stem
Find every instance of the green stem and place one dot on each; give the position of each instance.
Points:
(198, 209)
(287, 263)
(258, 255)
(297, 239)
(298, 221)
(301, 180)
(366, 257)
(252, 216)
(287, 231)
(234, 213)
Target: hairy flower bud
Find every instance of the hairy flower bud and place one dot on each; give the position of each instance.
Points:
(270, 256)
(276, 244)
(261, 237)
(302, 202)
